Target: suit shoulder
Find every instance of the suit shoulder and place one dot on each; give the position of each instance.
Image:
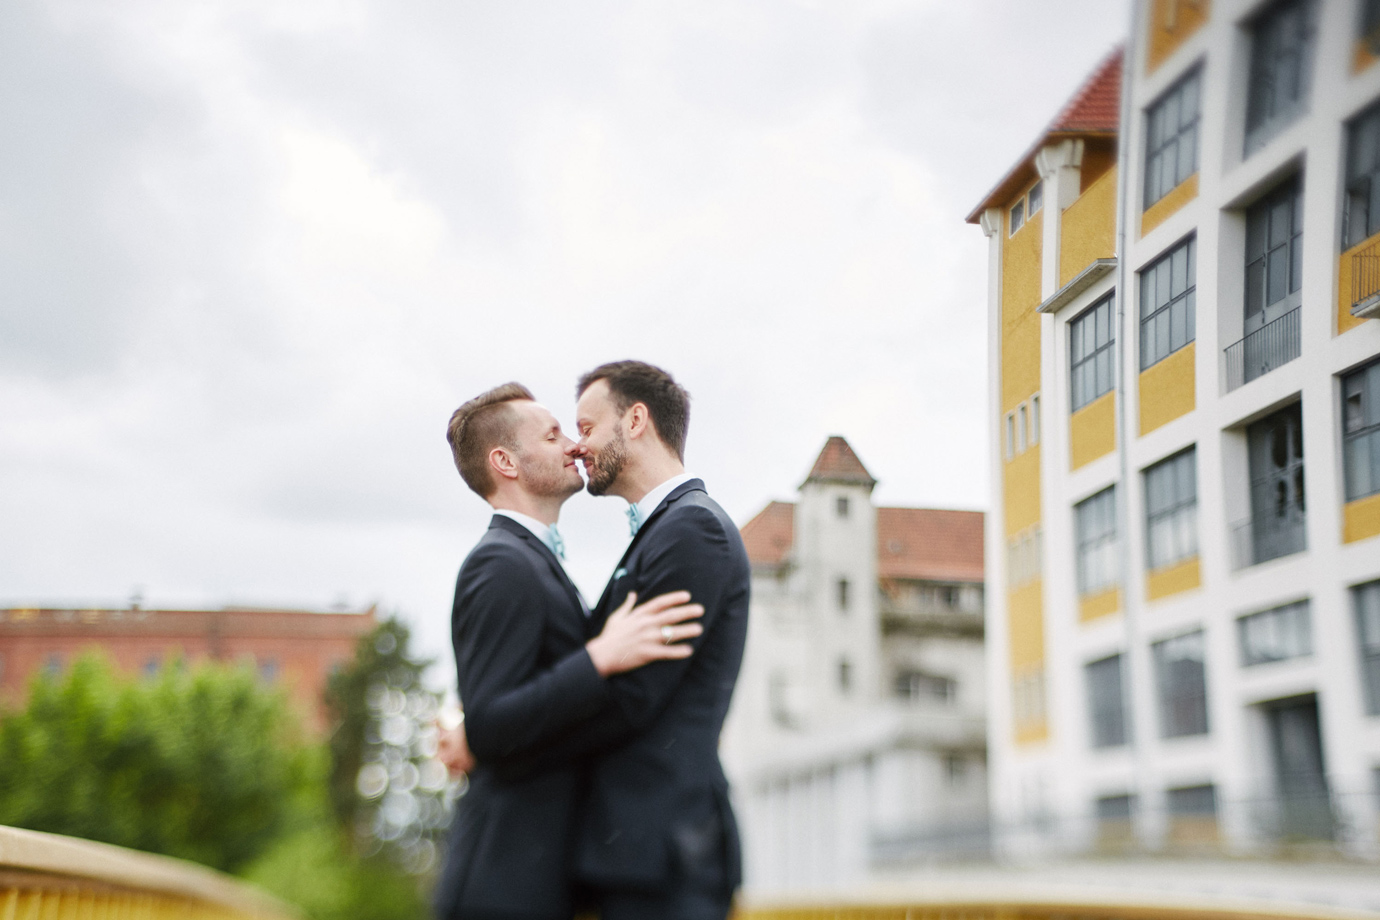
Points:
(696, 514)
(497, 552)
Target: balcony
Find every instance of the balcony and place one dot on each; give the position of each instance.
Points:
(1271, 346)
(1365, 282)
(1267, 537)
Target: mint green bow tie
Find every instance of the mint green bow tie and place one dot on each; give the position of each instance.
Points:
(555, 543)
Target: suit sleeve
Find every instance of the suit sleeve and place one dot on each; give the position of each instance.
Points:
(498, 621)
(689, 552)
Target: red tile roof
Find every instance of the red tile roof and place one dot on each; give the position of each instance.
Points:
(914, 543)
(768, 536)
(1095, 109)
(837, 463)
(1096, 106)
(929, 543)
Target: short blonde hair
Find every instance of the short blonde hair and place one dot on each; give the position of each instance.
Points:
(480, 425)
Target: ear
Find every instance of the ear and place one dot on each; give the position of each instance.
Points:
(638, 419)
(503, 463)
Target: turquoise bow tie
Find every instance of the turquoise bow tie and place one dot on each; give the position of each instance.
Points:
(634, 519)
(555, 543)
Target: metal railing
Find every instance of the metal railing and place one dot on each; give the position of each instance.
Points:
(1272, 345)
(1258, 540)
(62, 878)
(1365, 274)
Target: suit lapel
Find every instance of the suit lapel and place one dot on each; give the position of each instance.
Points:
(541, 549)
(601, 610)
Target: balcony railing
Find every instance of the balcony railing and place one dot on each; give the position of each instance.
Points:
(1365, 279)
(1267, 537)
(1272, 345)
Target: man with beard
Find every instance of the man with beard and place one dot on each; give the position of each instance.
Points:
(656, 837)
(525, 665)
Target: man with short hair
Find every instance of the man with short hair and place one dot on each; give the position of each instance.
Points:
(656, 838)
(526, 664)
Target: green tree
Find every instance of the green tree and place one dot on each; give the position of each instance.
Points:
(205, 763)
(385, 787)
(314, 870)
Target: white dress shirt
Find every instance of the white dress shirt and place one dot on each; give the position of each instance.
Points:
(539, 530)
(656, 496)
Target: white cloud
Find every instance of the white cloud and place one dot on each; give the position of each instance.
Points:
(284, 241)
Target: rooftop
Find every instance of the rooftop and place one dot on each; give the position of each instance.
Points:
(1094, 110)
(928, 544)
(837, 463)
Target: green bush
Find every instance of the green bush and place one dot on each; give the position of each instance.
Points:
(204, 764)
(314, 870)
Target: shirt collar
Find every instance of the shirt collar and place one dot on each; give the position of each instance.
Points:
(652, 499)
(539, 530)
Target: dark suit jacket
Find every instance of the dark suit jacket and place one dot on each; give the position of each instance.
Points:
(657, 801)
(519, 630)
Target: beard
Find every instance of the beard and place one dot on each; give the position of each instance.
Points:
(608, 463)
(551, 481)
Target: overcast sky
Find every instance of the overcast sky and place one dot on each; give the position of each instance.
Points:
(253, 254)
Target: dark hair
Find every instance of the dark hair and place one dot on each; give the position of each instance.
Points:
(480, 425)
(631, 382)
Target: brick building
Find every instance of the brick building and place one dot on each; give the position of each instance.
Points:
(297, 648)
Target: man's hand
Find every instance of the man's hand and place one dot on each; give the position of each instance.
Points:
(654, 631)
(453, 750)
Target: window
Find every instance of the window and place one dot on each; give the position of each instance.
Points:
(1114, 808)
(841, 506)
(1192, 801)
(1028, 698)
(1095, 531)
(955, 768)
(1281, 57)
(917, 685)
(1167, 294)
(1362, 176)
(843, 594)
(1274, 254)
(1090, 353)
(1361, 431)
(268, 670)
(1025, 209)
(1106, 703)
(151, 665)
(1181, 675)
(1278, 515)
(1367, 600)
(1035, 419)
(1171, 510)
(1277, 634)
(951, 596)
(1171, 138)
(1010, 435)
(1023, 558)
(845, 675)
(1370, 21)
(1021, 428)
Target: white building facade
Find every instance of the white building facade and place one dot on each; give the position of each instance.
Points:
(1193, 658)
(856, 737)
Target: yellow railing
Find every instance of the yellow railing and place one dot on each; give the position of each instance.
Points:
(966, 907)
(48, 877)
